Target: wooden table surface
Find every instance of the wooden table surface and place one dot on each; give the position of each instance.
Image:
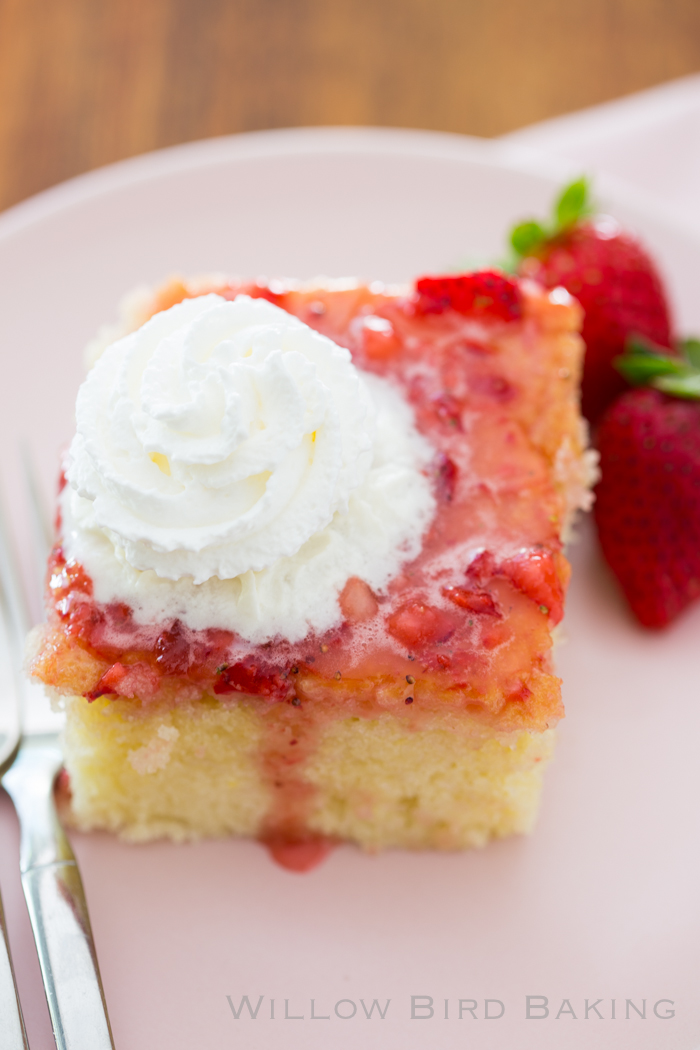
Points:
(87, 82)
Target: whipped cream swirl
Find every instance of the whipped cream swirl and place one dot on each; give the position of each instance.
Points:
(233, 468)
(220, 437)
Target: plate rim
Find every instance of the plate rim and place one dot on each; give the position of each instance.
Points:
(330, 140)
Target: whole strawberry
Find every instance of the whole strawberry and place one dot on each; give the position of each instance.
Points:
(648, 500)
(610, 274)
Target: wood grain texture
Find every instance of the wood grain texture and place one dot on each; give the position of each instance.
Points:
(87, 82)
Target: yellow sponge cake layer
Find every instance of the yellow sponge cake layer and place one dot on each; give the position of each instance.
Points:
(197, 771)
(182, 773)
(382, 784)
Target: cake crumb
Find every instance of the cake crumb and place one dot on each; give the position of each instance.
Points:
(156, 754)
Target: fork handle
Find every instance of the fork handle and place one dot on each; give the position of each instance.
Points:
(12, 1031)
(57, 907)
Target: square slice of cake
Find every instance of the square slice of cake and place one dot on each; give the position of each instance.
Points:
(309, 560)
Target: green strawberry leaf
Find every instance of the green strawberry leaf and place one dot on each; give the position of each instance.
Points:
(690, 349)
(639, 344)
(686, 386)
(646, 363)
(526, 237)
(572, 205)
(640, 368)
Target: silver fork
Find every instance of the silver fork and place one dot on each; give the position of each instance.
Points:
(50, 878)
(14, 1035)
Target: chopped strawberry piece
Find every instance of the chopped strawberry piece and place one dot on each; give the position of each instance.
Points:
(478, 602)
(535, 573)
(417, 624)
(128, 680)
(84, 619)
(486, 293)
(379, 339)
(446, 478)
(66, 576)
(357, 601)
(173, 650)
(210, 649)
(482, 568)
(520, 696)
(448, 410)
(109, 682)
(247, 677)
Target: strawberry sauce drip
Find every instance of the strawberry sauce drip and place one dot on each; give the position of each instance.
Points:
(301, 855)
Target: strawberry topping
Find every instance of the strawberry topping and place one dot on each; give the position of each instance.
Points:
(128, 680)
(538, 573)
(173, 650)
(485, 293)
(416, 623)
(472, 601)
(249, 677)
(468, 385)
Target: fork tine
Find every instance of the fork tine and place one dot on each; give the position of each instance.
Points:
(41, 519)
(12, 586)
(51, 881)
(14, 1035)
(41, 530)
(12, 628)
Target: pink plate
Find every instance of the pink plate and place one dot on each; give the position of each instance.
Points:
(601, 905)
